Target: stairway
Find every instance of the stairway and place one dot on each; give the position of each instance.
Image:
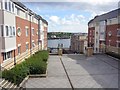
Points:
(6, 85)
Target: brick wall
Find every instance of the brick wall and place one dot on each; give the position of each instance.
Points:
(23, 38)
(91, 36)
(113, 37)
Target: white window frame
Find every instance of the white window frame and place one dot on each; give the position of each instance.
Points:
(14, 31)
(19, 49)
(27, 46)
(11, 30)
(26, 31)
(18, 11)
(109, 43)
(33, 31)
(7, 31)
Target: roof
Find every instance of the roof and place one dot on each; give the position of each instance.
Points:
(30, 11)
(109, 15)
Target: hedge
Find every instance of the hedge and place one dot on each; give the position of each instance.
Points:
(36, 64)
(113, 54)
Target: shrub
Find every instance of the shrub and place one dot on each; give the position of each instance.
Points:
(36, 64)
(16, 74)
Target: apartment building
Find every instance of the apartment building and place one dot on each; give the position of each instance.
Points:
(22, 33)
(104, 33)
(78, 42)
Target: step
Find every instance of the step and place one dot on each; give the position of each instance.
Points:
(4, 83)
(8, 85)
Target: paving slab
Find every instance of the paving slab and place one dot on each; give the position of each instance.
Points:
(98, 71)
(91, 72)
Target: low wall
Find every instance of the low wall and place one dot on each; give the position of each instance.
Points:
(8, 64)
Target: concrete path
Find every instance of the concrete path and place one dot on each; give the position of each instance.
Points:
(99, 71)
(56, 76)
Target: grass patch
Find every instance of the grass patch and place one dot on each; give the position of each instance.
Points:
(36, 64)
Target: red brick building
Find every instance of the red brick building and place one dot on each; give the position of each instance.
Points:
(22, 33)
(104, 33)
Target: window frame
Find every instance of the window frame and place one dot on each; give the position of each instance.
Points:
(7, 55)
(27, 31)
(19, 50)
(7, 31)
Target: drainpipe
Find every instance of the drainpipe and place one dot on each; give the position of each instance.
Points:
(105, 36)
(38, 33)
(14, 58)
(30, 37)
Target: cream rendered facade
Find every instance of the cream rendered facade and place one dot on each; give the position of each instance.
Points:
(7, 30)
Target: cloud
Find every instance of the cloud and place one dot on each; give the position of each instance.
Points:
(54, 19)
(68, 23)
(52, 10)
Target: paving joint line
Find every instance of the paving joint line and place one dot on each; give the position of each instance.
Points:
(67, 74)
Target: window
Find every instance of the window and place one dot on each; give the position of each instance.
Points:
(2, 31)
(19, 32)
(12, 7)
(6, 5)
(109, 33)
(26, 15)
(33, 44)
(18, 11)
(19, 50)
(118, 33)
(33, 31)
(7, 55)
(27, 46)
(7, 31)
(26, 31)
(9, 6)
(13, 31)
(119, 44)
(109, 42)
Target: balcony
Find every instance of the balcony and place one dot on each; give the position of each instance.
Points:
(8, 43)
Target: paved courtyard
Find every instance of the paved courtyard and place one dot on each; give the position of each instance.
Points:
(98, 71)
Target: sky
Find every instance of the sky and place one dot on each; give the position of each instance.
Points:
(70, 15)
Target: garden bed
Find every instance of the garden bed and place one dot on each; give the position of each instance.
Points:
(36, 65)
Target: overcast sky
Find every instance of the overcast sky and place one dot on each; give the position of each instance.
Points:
(70, 15)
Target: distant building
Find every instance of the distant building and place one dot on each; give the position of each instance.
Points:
(22, 33)
(104, 32)
(78, 42)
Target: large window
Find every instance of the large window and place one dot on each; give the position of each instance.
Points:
(7, 55)
(9, 6)
(7, 31)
